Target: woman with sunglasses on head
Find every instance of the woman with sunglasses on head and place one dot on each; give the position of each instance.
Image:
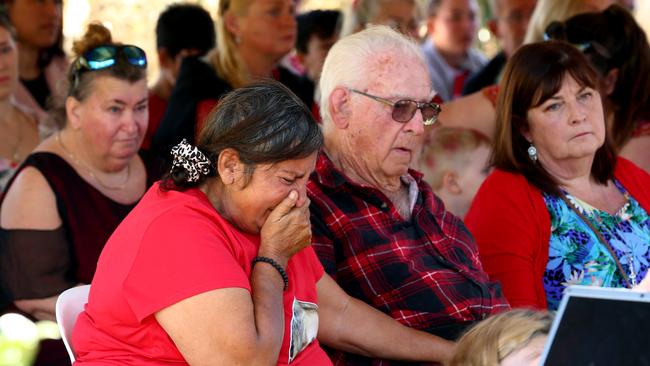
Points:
(560, 208)
(252, 37)
(18, 125)
(73, 190)
(42, 62)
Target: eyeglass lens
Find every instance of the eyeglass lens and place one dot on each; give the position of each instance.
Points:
(101, 57)
(404, 110)
(135, 55)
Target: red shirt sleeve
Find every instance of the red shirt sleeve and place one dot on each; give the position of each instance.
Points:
(505, 221)
(182, 254)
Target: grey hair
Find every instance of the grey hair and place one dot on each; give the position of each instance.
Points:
(347, 62)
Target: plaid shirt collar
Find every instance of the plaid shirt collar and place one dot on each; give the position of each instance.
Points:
(330, 176)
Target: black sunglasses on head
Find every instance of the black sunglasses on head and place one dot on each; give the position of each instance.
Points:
(103, 57)
(558, 31)
(404, 109)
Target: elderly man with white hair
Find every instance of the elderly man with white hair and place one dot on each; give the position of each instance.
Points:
(377, 227)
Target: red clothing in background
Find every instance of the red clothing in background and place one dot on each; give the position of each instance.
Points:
(174, 246)
(157, 107)
(512, 227)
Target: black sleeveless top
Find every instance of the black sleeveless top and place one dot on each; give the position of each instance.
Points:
(89, 218)
(42, 263)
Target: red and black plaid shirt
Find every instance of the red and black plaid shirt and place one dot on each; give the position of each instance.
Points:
(424, 272)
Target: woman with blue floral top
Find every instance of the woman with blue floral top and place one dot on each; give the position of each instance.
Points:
(560, 208)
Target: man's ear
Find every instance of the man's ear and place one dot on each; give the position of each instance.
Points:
(229, 166)
(73, 112)
(608, 83)
(340, 108)
(450, 182)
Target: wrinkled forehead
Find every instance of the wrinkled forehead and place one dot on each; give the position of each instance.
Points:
(398, 76)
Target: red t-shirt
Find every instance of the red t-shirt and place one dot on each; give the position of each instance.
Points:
(172, 246)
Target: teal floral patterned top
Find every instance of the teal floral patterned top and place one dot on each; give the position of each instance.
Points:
(576, 256)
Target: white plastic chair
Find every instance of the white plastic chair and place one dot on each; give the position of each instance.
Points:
(68, 306)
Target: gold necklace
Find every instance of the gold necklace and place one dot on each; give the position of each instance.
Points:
(90, 171)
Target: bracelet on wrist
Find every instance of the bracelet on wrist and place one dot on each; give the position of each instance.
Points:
(275, 265)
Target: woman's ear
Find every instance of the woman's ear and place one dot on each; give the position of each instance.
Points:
(608, 83)
(231, 21)
(229, 166)
(340, 108)
(524, 130)
(73, 112)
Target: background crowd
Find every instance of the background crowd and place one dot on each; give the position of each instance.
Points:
(361, 186)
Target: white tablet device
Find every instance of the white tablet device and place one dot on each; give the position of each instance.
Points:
(600, 326)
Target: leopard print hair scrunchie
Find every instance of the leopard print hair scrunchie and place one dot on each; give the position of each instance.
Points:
(191, 159)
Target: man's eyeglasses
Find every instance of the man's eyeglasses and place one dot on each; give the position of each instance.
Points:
(404, 109)
(103, 57)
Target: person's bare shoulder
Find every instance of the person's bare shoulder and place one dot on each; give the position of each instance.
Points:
(29, 203)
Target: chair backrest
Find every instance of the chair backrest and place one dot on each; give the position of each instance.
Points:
(68, 306)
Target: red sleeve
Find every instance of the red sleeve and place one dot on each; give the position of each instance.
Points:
(314, 264)
(182, 254)
(635, 180)
(508, 226)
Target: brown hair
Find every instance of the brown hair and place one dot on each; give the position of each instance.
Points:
(534, 74)
(6, 23)
(80, 84)
(626, 49)
(97, 35)
(493, 339)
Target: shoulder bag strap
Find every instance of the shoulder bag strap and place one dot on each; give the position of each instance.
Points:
(602, 240)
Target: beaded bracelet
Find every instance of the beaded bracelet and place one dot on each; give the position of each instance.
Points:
(275, 265)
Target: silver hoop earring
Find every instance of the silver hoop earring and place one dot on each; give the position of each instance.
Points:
(532, 153)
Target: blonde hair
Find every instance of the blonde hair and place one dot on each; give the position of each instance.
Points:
(547, 11)
(493, 339)
(225, 57)
(448, 149)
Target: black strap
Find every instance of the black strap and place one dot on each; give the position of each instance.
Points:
(602, 240)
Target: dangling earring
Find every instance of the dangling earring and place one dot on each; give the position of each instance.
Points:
(237, 40)
(532, 152)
